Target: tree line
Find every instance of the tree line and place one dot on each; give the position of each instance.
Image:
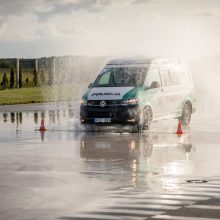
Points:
(50, 71)
(10, 82)
(5, 83)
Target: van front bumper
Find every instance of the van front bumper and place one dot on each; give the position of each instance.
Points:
(119, 114)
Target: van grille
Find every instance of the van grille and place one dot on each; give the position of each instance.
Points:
(108, 102)
(100, 114)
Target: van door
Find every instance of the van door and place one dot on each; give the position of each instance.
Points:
(177, 92)
(167, 91)
(154, 91)
(183, 83)
(172, 89)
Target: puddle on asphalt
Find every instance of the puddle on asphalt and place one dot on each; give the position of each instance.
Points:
(139, 154)
(134, 159)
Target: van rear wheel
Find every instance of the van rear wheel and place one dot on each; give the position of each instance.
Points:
(186, 115)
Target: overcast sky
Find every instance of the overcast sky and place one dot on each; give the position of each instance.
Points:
(36, 28)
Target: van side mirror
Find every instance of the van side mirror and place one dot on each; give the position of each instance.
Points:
(154, 85)
(90, 85)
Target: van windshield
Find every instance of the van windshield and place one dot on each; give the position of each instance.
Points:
(121, 77)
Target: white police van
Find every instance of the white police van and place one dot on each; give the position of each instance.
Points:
(139, 91)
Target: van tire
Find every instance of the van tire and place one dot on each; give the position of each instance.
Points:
(147, 117)
(186, 114)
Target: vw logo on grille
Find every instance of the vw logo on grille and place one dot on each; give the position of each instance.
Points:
(103, 103)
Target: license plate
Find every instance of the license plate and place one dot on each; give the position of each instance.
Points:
(102, 120)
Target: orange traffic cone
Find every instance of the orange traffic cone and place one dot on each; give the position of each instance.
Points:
(179, 129)
(42, 135)
(42, 128)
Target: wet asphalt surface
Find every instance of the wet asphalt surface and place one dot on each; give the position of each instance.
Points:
(69, 173)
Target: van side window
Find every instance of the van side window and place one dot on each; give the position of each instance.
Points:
(183, 75)
(153, 79)
(174, 77)
(166, 77)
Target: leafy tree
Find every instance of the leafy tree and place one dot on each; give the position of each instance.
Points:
(4, 81)
(12, 78)
(35, 78)
(20, 78)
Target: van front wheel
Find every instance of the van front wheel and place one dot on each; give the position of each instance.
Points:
(147, 117)
(186, 115)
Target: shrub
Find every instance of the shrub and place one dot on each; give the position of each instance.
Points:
(12, 78)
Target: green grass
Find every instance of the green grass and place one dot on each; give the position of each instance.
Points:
(37, 95)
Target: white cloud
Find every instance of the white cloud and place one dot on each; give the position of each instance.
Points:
(108, 27)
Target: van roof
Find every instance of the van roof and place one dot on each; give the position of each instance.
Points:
(141, 61)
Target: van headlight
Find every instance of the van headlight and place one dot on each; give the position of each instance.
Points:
(129, 101)
(83, 102)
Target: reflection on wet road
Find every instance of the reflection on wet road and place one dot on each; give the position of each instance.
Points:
(53, 115)
(73, 174)
(135, 157)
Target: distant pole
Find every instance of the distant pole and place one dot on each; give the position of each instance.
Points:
(17, 73)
